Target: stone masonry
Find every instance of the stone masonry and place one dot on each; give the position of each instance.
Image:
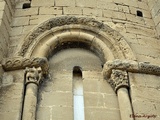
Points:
(138, 21)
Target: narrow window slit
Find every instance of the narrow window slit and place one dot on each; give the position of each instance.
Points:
(139, 13)
(26, 5)
(78, 98)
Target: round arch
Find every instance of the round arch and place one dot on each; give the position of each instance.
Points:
(70, 31)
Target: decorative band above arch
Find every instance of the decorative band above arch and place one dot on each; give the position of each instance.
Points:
(56, 27)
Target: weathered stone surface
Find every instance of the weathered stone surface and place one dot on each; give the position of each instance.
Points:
(44, 113)
(140, 30)
(93, 100)
(65, 2)
(89, 11)
(113, 14)
(60, 113)
(102, 114)
(42, 3)
(50, 10)
(55, 93)
(26, 12)
(86, 3)
(72, 10)
(20, 21)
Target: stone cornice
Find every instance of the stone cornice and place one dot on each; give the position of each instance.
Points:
(17, 63)
(129, 66)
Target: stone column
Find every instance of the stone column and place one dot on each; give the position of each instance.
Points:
(33, 76)
(119, 82)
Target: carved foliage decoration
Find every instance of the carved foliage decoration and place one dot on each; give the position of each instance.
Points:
(72, 20)
(118, 79)
(59, 21)
(33, 75)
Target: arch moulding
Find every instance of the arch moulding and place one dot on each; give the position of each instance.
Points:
(67, 31)
(57, 32)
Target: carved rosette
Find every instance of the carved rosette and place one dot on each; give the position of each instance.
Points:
(33, 75)
(118, 79)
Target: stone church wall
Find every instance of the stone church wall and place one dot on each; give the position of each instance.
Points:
(6, 13)
(155, 12)
(137, 20)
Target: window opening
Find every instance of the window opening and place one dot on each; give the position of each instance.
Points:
(26, 5)
(78, 98)
(139, 13)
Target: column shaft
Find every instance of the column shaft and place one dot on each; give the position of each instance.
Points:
(124, 104)
(30, 102)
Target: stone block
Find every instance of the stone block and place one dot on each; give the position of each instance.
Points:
(86, 3)
(149, 22)
(145, 94)
(42, 3)
(148, 41)
(103, 4)
(37, 19)
(4, 31)
(146, 13)
(158, 29)
(111, 101)
(155, 9)
(65, 3)
(15, 31)
(20, 21)
(7, 79)
(150, 110)
(124, 9)
(15, 115)
(26, 12)
(1, 14)
(143, 5)
(43, 113)
(156, 19)
(145, 50)
(2, 5)
(126, 2)
(62, 85)
(61, 113)
(97, 86)
(151, 3)
(131, 38)
(72, 10)
(150, 59)
(92, 12)
(3, 42)
(50, 10)
(56, 99)
(101, 114)
(7, 23)
(140, 30)
(114, 14)
(93, 100)
(27, 28)
(92, 75)
(9, 14)
(134, 18)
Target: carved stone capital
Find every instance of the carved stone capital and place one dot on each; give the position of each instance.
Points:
(33, 75)
(118, 79)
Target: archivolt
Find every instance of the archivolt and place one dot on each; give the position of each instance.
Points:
(71, 31)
